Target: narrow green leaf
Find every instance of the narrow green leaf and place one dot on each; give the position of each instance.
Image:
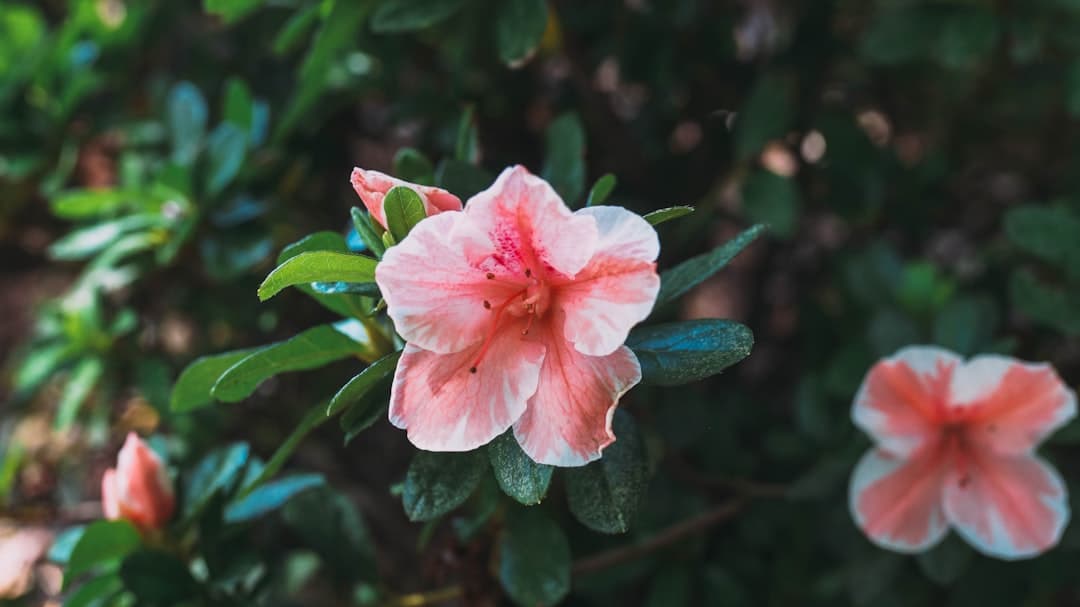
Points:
(84, 242)
(564, 162)
(318, 266)
(439, 482)
(534, 559)
(604, 495)
(601, 190)
(412, 166)
(677, 353)
(186, 120)
(660, 216)
(239, 106)
(393, 16)
(403, 209)
(313, 419)
(225, 152)
(296, 28)
(80, 383)
(467, 147)
(359, 386)
(270, 497)
(311, 349)
(367, 231)
(102, 543)
(219, 471)
(519, 26)
(329, 523)
(158, 578)
(83, 204)
(193, 387)
(693, 271)
(39, 364)
(518, 475)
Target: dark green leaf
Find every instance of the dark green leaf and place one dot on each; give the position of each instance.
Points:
(439, 482)
(310, 349)
(604, 495)
(157, 578)
(410, 15)
(270, 497)
(186, 119)
(403, 209)
(102, 543)
(461, 178)
(602, 189)
(193, 387)
(358, 387)
(1045, 304)
(330, 524)
(318, 266)
(534, 559)
(765, 115)
(660, 216)
(771, 200)
(218, 471)
(518, 475)
(95, 592)
(519, 26)
(230, 10)
(564, 162)
(225, 151)
(1048, 233)
(366, 229)
(947, 561)
(693, 271)
(412, 166)
(239, 106)
(678, 353)
(966, 325)
(319, 241)
(296, 28)
(467, 146)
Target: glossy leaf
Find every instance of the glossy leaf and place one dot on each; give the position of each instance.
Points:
(102, 543)
(95, 592)
(270, 497)
(358, 387)
(534, 559)
(219, 471)
(410, 15)
(517, 474)
(403, 209)
(436, 483)
(368, 232)
(677, 353)
(519, 26)
(318, 266)
(192, 389)
(693, 271)
(660, 216)
(604, 495)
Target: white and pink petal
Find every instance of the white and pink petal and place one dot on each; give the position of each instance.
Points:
(898, 502)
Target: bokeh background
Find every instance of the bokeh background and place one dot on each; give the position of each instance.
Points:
(917, 162)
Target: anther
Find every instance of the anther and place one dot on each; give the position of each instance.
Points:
(490, 276)
(472, 369)
(487, 305)
(528, 273)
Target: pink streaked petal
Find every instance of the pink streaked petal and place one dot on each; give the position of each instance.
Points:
(446, 407)
(434, 288)
(1012, 405)
(901, 400)
(531, 226)
(568, 421)
(897, 503)
(143, 489)
(109, 498)
(372, 186)
(1009, 507)
(618, 287)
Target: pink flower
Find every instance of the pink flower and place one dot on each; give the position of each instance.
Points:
(955, 448)
(138, 489)
(515, 311)
(372, 186)
(20, 549)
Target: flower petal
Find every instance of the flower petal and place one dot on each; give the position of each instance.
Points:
(531, 226)
(1013, 405)
(372, 186)
(618, 287)
(898, 503)
(109, 504)
(901, 400)
(568, 422)
(446, 407)
(143, 489)
(1009, 507)
(434, 287)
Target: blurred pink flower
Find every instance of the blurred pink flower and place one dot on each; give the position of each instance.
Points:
(19, 551)
(515, 311)
(138, 489)
(955, 448)
(372, 186)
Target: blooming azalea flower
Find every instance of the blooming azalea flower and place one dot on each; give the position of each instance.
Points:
(138, 489)
(515, 311)
(955, 448)
(372, 186)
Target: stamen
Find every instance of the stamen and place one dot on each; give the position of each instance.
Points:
(487, 305)
(494, 326)
(472, 369)
(528, 273)
(528, 326)
(490, 276)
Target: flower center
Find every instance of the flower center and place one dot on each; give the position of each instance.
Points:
(531, 300)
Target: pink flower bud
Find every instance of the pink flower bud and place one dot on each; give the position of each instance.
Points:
(138, 489)
(372, 186)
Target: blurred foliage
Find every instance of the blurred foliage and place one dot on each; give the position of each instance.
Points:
(915, 160)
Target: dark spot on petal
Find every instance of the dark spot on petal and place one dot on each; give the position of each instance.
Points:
(528, 273)
(490, 276)
(964, 481)
(487, 305)
(472, 369)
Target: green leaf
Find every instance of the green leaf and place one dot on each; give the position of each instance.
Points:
(193, 388)
(518, 475)
(157, 578)
(412, 166)
(310, 349)
(461, 178)
(403, 209)
(186, 120)
(693, 271)
(225, 152)
(239, 105)
(966, 325)
(95, 592)
(270, 497)
(946, 562)
(296, 28)
(103, 543)
(519, 26)
(319, 241)
(80, 383)
(1048, 233)
(230, 10)
(313, 419)
(765, 115)
(318, 266)
(772, 200)
(83, 204)
(359, 386)
(1047, 305)
(564, 162)
(467, 145)
(677, 353)
(660, 216)
(369, 289)
(409, 15)
(601, 190)
(345, 304)
(439, 482)
(39, 364)
(604, 495)
(84, 242)
(368, 232)
(368, 410)
(534, 559)
(219, 471)
(330, 524)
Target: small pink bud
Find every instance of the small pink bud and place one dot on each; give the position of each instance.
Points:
(372, 186)
(138, 489)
